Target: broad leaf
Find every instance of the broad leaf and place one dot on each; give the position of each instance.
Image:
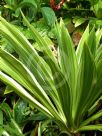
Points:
(49, 16)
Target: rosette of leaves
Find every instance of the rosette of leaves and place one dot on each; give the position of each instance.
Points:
(64, 89)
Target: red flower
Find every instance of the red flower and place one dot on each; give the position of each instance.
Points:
(56, 7)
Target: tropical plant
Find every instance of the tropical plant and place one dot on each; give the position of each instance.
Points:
(63, 88)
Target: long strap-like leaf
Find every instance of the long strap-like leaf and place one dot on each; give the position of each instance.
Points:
(85, 83)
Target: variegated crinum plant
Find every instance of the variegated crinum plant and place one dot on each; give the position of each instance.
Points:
(64, 89)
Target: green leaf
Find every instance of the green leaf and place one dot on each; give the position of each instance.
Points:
(92, 42)
(98, 56)
(92, 118)
(27, 3)
(37, 117)
(6, 109)
(67, 60)
(1, 118)
(20, 110)
(49, 16)
(3, 132)
(95, 106)
(14, 128)
(99, 13)
(8, 90)
(85, 83)
(81, 43)
(49, 42)
(98, 37)
(39, 129)
(91, 127)
(79, 21)
(97, 88)
(97, 8)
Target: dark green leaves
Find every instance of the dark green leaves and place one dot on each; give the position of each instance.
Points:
(49, 16)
